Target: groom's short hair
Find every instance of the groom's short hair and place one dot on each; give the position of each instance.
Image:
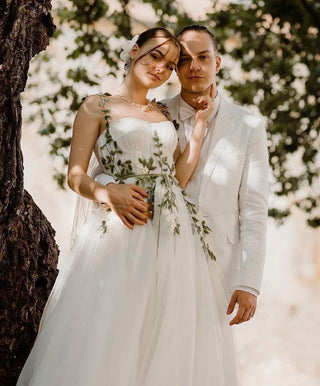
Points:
(199, 28)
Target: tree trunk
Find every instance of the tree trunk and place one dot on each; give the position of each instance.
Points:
(28, 252)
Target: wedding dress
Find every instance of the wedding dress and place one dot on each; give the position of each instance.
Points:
(141, 307)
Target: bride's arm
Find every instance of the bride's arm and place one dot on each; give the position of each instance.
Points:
(126, 199)
(85, 132)
(187, 161)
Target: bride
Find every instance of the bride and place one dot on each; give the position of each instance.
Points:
(135, 305)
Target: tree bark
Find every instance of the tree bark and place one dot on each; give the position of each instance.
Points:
(28, 252)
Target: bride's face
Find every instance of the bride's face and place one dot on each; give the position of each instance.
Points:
(154, 62)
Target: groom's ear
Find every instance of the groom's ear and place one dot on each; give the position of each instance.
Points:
(218, 63)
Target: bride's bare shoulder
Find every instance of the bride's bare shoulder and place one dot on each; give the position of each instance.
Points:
(92, 105)
(98, 102)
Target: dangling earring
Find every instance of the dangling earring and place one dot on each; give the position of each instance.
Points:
(128, 64)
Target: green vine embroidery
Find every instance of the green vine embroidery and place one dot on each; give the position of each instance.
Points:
(143, 171)
(103, 227)
(162, 160)
(168, 207)
(199, 226)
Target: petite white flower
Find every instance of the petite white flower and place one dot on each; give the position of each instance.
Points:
(171, 217)
(140, 168)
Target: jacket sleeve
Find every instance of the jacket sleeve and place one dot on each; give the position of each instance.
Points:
(253, 206)
(98, 175)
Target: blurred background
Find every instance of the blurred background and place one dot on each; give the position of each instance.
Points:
(271, 65)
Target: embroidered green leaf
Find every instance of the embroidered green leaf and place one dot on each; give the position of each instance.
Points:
(103, 227)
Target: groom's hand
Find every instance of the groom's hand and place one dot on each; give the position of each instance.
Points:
(247, 304)
(128, 202)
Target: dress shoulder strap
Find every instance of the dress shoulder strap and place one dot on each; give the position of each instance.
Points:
(165, 111)
(103, 100)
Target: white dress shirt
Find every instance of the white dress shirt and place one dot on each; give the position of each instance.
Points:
(186, 116)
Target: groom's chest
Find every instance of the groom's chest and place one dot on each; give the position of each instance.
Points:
(222, 154)
(224, 138)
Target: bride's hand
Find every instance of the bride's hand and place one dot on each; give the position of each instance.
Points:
(205, 109)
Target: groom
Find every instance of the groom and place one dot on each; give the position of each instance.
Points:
(230, 183)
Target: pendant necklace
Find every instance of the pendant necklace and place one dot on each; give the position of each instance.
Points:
(149, 106)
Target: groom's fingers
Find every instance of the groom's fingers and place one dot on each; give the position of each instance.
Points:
(211, 91)
(244, 314)
(239, 316)
(127, 223)
(248, 315)
(247, 304)
(133, 219)
(232, 304)
(138, 191)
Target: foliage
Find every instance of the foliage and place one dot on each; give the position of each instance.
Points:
(277, 44)
(274, 43)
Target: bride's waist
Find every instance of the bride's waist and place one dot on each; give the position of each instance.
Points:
(147, 177)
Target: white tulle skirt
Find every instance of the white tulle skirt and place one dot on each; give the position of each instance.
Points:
(139, 307)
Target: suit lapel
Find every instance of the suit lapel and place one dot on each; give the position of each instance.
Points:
(222, 130)
(219, 137)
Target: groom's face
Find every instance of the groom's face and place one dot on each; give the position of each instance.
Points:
(199, 63)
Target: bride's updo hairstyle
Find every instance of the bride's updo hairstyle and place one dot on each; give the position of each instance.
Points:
(153, 33)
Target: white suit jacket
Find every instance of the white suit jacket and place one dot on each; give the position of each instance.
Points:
(231, 184)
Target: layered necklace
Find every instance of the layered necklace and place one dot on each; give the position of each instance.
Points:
(147, 107)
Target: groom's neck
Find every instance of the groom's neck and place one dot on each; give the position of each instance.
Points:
(189, 97)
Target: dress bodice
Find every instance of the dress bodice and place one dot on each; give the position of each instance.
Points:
(132, 146)
(136, 151)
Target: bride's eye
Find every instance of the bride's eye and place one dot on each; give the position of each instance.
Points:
(155, 56)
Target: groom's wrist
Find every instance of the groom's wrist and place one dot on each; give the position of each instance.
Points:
(104, 179)
(251, 290)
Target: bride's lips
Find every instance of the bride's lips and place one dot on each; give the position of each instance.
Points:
(195, 77)
(154, 76)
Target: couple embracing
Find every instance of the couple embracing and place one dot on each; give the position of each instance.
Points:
(177, 241)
